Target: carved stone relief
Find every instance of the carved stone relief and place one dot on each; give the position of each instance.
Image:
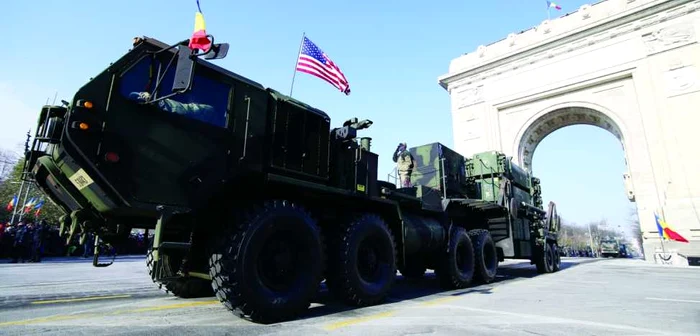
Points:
(681, 80)
(667, 38)
(469, 96)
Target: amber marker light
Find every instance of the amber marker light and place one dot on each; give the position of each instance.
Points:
(84, 103)
(83, 126)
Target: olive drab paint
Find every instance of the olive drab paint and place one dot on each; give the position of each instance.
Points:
(213, 168)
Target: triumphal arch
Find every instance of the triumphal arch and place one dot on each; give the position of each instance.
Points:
(628, 66)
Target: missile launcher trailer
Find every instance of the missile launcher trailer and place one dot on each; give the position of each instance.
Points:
(255, 198)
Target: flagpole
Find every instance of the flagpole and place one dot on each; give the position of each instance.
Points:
(661, 236)
(301, 43)
(26, 196)
(18, 194)
(15, 212)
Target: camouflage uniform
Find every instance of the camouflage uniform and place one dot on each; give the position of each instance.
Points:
(405, 164)
(201, 112)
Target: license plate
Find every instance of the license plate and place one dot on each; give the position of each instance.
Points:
(81, 179)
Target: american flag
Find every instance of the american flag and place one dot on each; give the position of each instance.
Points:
(315, 62)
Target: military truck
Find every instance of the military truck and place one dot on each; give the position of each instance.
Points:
(253, 196)
(609, 248)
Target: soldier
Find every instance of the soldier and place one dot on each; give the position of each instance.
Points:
(405, 164)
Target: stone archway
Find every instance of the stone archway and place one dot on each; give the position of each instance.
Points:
(557, 117)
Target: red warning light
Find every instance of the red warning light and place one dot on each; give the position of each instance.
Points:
(112, 157)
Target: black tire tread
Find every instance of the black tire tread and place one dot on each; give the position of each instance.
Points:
(478, 238)
(444, 271)
(338, 277)
(223, 269)
(184, 287)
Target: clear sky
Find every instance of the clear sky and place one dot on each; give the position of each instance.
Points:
(391, 52)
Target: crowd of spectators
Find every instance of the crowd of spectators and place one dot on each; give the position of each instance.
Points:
(29, 241)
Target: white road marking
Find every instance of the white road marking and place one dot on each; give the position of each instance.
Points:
(673, 300)
(552, 319)
(68, 282)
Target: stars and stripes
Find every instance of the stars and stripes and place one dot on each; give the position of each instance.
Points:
(313, 61)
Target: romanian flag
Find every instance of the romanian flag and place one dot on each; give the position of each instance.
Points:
(37, 207)
(666, 232)
(553, 5)
(12, 204)
(28, 205)
(199, 39)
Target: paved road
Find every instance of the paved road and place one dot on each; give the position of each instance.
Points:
(588, 297)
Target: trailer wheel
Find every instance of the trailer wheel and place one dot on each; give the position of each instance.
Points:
(269, 268)
(362, 265)
(485, 255)
(456, 269)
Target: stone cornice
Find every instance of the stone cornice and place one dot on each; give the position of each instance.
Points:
(583, 34)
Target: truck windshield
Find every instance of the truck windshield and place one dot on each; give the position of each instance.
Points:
(207, 101)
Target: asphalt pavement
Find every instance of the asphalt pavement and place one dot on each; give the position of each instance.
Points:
(587, 297)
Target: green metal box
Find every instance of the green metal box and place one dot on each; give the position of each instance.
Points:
(494, 163)
(436, 166)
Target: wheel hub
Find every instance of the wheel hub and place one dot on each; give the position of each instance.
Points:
(368, 262)
(276, 263)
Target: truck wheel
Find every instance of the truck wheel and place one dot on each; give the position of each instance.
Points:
(151, 266)
(269, 268)
(556, 265)
(545, 260)
(362, 266)
(184, 287)
(485, 255)
(456, 269)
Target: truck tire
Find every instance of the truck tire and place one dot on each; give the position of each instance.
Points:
(544, 259)
(557, 257)
(485, 255)
(151, 266)
(269, 267)
(362, 264)
(456, 269)
(184, 287)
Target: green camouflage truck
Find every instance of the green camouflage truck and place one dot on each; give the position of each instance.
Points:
(610, 248)
(255, 198)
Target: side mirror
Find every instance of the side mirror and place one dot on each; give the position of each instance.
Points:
(184, 72)
(218, 51)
